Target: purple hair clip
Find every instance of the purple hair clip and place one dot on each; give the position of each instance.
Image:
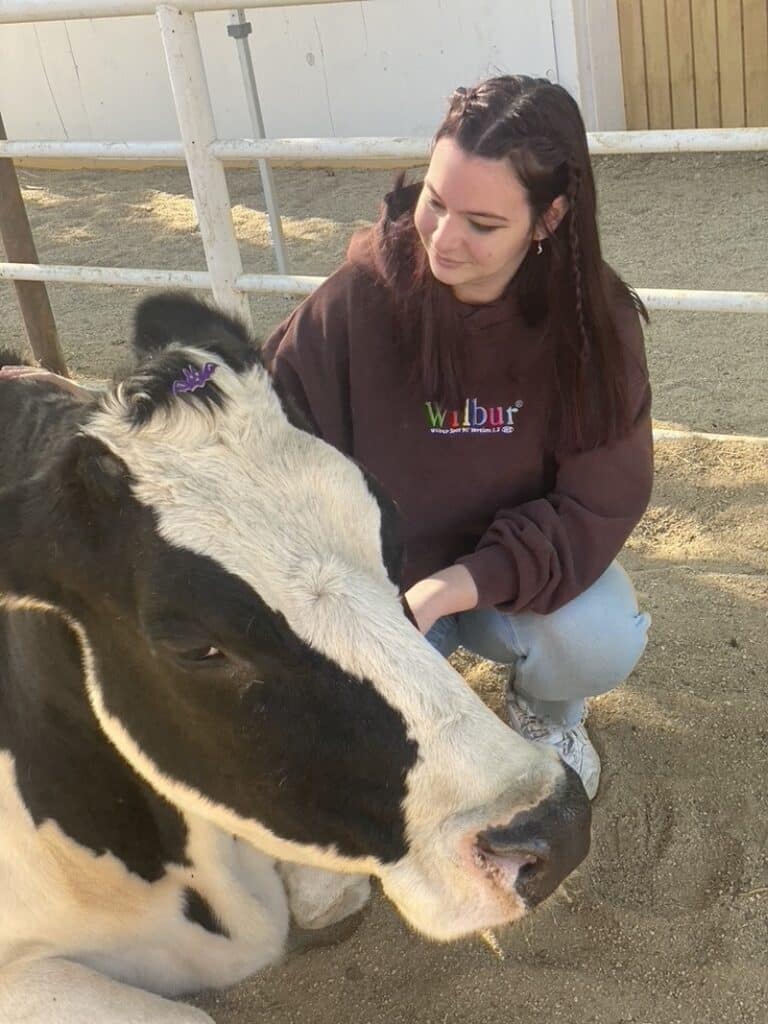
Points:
(193, 379)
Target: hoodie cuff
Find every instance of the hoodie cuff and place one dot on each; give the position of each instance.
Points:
(495, 574)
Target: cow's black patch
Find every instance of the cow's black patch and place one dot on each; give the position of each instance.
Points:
(272, 729)
(164, 322)
(199, 911)
(175, 317)
(391, 530)
(66, 770)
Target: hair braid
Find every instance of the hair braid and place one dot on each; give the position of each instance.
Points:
(573, 239)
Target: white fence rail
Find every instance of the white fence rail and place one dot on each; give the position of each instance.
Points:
(204, 155)
(129, 277)
(704, 301)
(18, 11)
(406, 151)
(293, 284)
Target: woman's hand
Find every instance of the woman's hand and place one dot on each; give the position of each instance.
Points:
(444, 593)
(35, 373)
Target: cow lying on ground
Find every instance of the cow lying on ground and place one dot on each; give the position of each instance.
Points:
(205, 669)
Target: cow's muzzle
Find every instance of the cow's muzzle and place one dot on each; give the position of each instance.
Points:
(544, 843)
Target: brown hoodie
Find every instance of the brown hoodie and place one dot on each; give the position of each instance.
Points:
(480, 484)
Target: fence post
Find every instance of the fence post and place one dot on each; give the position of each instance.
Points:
(206, 174)
(20, 248)
(239, 29)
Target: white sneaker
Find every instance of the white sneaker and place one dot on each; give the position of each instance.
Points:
(571, 742)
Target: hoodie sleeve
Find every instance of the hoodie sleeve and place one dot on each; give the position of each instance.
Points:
(308, 358)
(540, 555)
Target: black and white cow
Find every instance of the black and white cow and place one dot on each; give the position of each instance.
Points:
(205, 670)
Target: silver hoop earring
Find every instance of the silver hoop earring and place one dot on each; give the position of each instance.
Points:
(539, 248)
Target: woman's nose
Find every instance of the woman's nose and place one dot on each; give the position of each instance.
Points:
(447, 233)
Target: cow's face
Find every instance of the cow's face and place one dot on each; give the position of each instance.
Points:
(246, 650)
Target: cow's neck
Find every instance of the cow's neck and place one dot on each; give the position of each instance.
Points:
(66, 768)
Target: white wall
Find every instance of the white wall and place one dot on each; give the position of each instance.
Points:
(589, 30)
(382, 67)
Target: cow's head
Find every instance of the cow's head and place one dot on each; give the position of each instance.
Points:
(232, 579)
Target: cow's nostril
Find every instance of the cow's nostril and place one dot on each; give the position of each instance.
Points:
(542, 844)
(506, 844)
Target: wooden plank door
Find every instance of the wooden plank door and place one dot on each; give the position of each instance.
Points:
(694, 63)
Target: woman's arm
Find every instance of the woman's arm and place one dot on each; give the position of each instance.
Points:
(540, 555)
(444, 593)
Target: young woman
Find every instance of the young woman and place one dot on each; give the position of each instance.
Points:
(476, 355)
(479, 358)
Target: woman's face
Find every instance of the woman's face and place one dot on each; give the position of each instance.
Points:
(474, 221)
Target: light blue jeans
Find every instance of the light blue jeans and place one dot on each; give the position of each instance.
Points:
(588, 646)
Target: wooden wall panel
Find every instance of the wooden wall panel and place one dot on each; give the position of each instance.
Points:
(756, 62)
(633, 63)
(682, 88)
(694, 63)
(657, 75)
(730, 50)
(705, 66)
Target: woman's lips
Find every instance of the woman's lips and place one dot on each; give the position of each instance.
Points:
(445, 261)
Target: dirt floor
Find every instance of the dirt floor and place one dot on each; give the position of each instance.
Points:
(667, 923)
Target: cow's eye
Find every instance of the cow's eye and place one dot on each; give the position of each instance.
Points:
(200, 654)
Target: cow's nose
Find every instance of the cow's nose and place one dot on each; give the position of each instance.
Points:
(551, 838)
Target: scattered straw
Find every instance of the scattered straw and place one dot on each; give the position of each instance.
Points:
(493, 944)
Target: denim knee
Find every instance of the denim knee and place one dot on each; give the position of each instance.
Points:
(444, 635)
(588, 646)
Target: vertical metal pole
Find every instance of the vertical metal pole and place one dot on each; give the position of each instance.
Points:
(206, 174)
(20, 248)
(240, 29)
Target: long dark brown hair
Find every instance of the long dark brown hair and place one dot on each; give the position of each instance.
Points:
(568, 289)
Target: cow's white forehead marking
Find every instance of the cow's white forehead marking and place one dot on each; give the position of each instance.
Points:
(296, 521)
(270, 503)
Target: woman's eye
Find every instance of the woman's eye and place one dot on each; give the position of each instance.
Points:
(484, 229)
(433, 203)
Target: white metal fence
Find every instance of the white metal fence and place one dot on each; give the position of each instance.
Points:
(205, 156)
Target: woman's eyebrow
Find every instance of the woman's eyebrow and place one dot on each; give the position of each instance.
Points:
(467, 213)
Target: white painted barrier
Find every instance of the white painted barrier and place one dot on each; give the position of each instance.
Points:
(292, 284)
(18, 11)
(704, 301)
(130, 277)
(407, 151)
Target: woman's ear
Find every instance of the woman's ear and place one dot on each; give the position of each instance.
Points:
(550, 220)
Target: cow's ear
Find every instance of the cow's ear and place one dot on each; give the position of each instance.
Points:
(172, 317)
(95, 490)
(56, 526)
(70, 506)
(97, 473)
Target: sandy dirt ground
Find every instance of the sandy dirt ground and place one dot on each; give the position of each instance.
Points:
(667, 922)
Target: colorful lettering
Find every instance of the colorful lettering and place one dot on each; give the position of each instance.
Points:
(435, 415)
